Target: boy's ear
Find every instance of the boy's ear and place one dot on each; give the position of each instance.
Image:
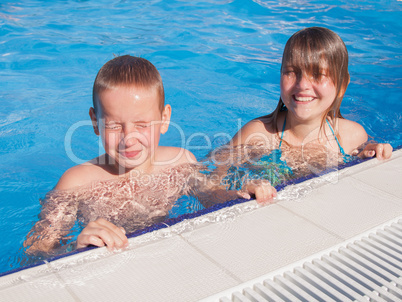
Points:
(166, 113)
(94, 120)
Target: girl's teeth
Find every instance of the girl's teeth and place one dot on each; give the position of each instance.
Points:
(303, 99)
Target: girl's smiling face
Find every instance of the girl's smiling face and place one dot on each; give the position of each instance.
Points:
(130, 123)
(314, 74)
(306, 96)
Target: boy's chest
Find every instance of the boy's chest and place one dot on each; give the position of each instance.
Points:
(130, 203)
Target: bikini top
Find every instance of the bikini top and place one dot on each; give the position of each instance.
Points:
(330, 127)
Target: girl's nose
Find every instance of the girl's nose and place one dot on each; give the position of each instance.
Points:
(303, 81)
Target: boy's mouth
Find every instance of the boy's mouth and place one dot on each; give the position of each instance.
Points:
(130, 154)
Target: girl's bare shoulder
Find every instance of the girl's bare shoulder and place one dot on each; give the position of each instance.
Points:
(352, 134)
(259, 130)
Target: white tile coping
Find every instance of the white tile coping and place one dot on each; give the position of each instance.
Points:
(227, 293)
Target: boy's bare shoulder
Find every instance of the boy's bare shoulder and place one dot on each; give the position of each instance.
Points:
(352, 134)
(81, 175)
(172, 156)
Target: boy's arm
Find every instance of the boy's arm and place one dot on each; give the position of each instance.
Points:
(56, 220)
(212, 196)
(100, 233)
(209, 190)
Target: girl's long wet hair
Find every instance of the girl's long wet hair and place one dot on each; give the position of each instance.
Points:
(309, 50)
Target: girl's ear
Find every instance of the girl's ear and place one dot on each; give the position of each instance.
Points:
(166, 113)
(94, 120)
(343, 88)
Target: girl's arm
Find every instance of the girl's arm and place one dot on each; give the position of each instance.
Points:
(354, 139)
(381, 151)
(208, 186)
(262, 189)
(209, 190)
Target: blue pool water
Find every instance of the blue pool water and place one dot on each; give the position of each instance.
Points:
(219, 61)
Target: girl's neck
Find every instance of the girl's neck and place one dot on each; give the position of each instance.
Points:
(297, 132)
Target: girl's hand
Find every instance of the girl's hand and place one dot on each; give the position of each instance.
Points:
(262, 189)
(102, 232)
(381, 151)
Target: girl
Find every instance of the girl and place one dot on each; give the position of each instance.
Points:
(314, 78)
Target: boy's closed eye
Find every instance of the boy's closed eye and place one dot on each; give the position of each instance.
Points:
(113, 126)
(117, 126)
(142, 125)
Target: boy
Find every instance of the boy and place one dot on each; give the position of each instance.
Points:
(136, 181)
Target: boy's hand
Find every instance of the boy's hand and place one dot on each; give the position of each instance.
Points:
(262, 189)
(381, 151)
(102, 232)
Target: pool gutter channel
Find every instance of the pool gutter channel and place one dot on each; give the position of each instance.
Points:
(242, 290)
(199, 247)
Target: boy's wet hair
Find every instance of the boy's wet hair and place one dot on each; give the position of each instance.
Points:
(128, 71)
(312, 50)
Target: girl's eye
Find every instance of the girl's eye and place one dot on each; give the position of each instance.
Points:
(318, 75)
(290, 75)
(288, 72)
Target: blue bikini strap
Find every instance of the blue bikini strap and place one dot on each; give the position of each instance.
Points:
(283, 130)
(330, 127)
(340, 147)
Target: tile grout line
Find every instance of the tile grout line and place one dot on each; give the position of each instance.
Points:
(376, 188)
(68, 289)
(369, 164)
(210, 259)
(313, 223)
(343, 177)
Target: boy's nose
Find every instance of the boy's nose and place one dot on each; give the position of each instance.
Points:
(130, 141)
(129, 136)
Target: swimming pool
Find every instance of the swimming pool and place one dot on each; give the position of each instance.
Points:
(219, 61)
